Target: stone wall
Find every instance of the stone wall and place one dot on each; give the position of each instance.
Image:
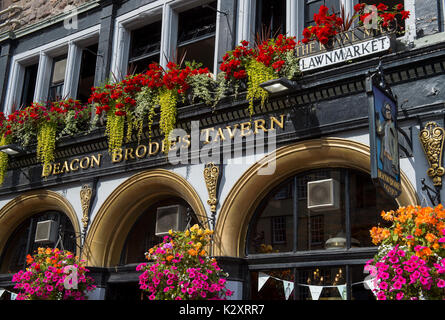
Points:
(34, 11)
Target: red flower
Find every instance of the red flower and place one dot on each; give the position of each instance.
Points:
(382, 7)
(359, 6)
(405, 14)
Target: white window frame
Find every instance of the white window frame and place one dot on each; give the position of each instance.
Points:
(71, 45)
(168, 11)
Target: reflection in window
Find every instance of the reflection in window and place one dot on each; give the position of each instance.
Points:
(327, 281)
(142, 235)
(275, 223)
(57, 79)
(284, 215)
(270, 18)
(145, 47)
(87, 72)
(196, 35)
(29, 85)
(22, 242)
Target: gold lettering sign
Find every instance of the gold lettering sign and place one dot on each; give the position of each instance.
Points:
(153, 148)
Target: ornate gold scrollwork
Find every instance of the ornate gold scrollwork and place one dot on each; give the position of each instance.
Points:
(211, 175)
(85, 199)
(432, 138)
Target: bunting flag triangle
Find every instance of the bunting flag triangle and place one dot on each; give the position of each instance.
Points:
(1, 292)
(370, 284)
(13, 296)
(342, 291)
(288, 287)
(315, 291)
(262, 278)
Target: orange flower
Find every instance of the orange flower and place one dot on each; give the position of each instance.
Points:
(379, 234)
(388, 216)
(430, 237)
(48, 251)
(418, 232)
(398, 230)
(202, 253)
(29, 259)
(192, 252)
(169, 258)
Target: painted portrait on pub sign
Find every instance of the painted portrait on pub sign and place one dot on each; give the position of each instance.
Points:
(386, 147)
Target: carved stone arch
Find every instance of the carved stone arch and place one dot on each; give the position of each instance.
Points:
(110, 226)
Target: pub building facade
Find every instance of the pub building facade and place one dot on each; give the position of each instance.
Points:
(275, 238)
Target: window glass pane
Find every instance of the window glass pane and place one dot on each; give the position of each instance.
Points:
(141, 65)
(59, 71)
(271, 285)
(366, 204)
(197, 23)
(87, 72)
(145, 47)
(272, 228)
(196, 35)
(325, 281)
(200, 51)
(321, 229)
(29, 85)
(271, 18)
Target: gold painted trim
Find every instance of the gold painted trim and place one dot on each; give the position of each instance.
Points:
(85, 198)
(251, 188)
(432, 138)
(26, 205)
(211, 175)
(110, 226)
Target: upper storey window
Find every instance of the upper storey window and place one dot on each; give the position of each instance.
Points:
(196, 35)
(145, 47)
(57, 79)
(270, 18)
(29, 85)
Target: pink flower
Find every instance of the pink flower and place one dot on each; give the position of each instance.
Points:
(441, 283)
(397, 286)
(381, 295)
(399, 296)
(383, 285)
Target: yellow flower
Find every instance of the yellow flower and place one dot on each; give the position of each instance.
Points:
(170, 232)
(48, 251)
(187, 233)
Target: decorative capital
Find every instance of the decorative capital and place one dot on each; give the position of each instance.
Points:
(432, 138)
(211, 176)
(85, 198)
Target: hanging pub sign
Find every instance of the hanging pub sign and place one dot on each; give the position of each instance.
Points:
(383, 135)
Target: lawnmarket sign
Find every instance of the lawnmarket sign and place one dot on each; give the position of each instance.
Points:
(347, 46)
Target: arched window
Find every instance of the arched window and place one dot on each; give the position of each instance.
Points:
(22, 240)
(291, 244)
